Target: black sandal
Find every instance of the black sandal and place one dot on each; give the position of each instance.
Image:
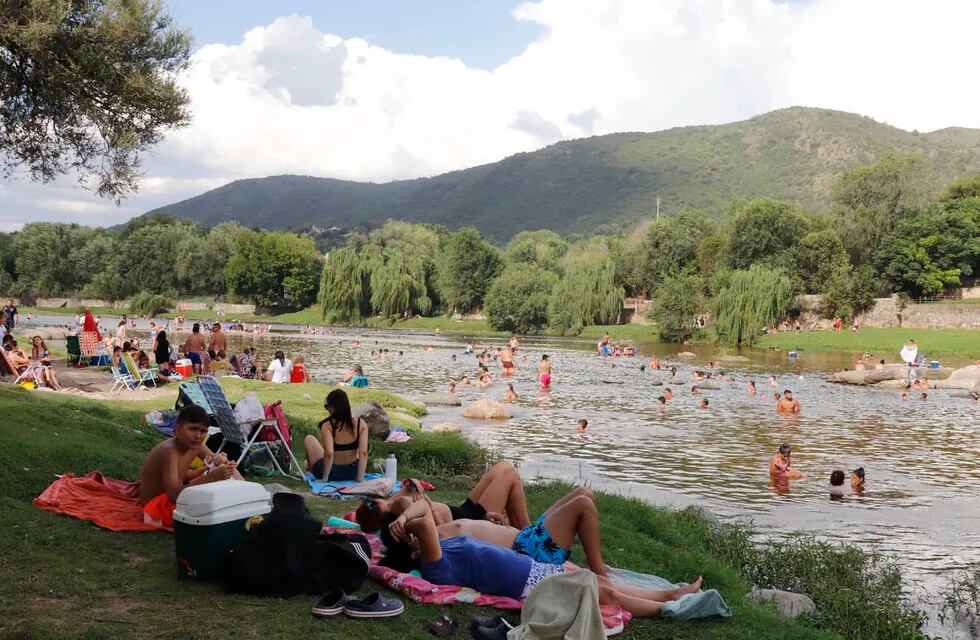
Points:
(443, 627)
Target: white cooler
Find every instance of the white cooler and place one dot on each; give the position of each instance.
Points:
(210, 519)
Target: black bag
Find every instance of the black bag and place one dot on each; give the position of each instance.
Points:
(288, 554)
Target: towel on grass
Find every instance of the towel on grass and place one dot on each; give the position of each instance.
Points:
(108, 503)
(336, 489)
(422, 591)
(562, 606)
(693, 606)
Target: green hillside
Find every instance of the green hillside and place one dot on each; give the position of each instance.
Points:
(580, 185)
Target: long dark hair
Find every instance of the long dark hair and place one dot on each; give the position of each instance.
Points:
(398, 555)
(341, 414)
(281, 357)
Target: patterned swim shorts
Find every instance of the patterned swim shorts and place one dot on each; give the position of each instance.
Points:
(540, 571)
(535, 542)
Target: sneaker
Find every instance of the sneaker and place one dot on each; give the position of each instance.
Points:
(332, 604)
(374, 606)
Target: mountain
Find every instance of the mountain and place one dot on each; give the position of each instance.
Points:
(601, 182)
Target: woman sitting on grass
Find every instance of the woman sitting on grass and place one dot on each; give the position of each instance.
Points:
(342, 450)
(494, 570)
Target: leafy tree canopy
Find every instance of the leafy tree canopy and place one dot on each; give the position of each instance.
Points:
(88, 86)
(274, 268)
(750, 300)
(761, 230)
(542, 248)
(676, 305)
(518, 299)
(468, 267)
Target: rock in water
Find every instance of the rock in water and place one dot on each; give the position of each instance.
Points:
(375, 416)
(963, 378)
(487, 410)
(441, 399)
(687, 354)
(789, 604)
(445, 427)
(871, 376)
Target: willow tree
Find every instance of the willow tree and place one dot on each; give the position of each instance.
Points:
(750, 300)
(587, 294)
(398, 285)
(344, 287)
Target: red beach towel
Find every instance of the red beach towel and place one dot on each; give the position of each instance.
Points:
(108, 503)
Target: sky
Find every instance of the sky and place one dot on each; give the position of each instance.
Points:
(379, 90)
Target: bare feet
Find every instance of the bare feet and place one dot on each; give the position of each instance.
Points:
(694, 587)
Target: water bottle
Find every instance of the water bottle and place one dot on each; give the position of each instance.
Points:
(391, 467)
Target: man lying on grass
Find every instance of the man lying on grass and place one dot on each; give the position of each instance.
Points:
(494, 570)
(169, 466)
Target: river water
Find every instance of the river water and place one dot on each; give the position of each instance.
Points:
(922, 503)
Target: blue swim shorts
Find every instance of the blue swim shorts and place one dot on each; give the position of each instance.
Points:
(535, 542)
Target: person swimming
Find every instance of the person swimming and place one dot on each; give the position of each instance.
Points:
(668, 394)
(772, 381)
(780, 466)
(704, 403)
(857, 479)
(509, 394)
(836, 483)
(582, 425)
(662, 402)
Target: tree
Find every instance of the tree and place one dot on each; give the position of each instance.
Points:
(762, 230)
(344, 287)
(964, 188)
(144, 259)
(468, 267)
(587, 294)
(59, 258)
(518, 299)
(200, 260)
(676, 305)
(88, 86)
(398, 285)
(274, 268)
(670, 245)
(848, 292)
(867, 202)
(818, 256)
(752, 299)
(542, 248)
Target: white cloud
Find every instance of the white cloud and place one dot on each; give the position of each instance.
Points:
(292, 99)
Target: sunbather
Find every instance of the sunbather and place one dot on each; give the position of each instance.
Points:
(548, 541)
(493, 570)
(499, 491)
(169, 466)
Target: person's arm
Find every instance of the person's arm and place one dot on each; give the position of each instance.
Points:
(424, 529)
(326, 437)
(362, 449)
(772, 467)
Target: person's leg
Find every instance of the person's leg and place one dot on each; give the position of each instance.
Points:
(314, 451)
(502, 490)
(578, 516)
(639, 607)
(658, 595)
(571, 495)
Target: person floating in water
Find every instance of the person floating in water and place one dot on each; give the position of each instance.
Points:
(787, 405)
(544, 372)
(780, 466)
(583, 424)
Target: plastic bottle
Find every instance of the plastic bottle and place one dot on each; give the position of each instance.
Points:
(391, 467)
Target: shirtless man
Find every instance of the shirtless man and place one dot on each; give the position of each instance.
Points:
(544, 372)
(668, 394)
(513, 343)
(549, 540)
(219, 341)
(788, 405)
(167, 468)
(194, 345)
(507, 359)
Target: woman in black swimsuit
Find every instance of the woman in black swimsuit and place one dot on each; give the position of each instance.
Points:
(342, 449)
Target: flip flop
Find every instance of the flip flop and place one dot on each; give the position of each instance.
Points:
(374, 606)
(443, 627)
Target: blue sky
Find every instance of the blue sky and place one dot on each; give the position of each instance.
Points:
(380, 90)
(482, 33)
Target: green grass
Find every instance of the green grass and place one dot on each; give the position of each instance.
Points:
(67, 579)
(964, 343)
(621, 332)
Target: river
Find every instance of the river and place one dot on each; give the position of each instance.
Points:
(922, 504)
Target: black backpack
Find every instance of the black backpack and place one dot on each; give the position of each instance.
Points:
(288, 554)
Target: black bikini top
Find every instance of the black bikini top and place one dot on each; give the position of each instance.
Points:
(350, 446)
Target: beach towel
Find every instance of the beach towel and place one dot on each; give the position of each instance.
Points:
(562, 606)
(422, 591)
(337, 489)
(693, 606)
(108, 503)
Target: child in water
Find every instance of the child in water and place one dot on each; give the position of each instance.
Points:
(857, 479)
(544, 372)
(780, 465)
(582, 424)
(510, 395)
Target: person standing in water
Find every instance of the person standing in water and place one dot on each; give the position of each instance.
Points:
(544, 372)
(788, 405)
(507, 360)
(780, 465)
(857, 480)
(751, 388)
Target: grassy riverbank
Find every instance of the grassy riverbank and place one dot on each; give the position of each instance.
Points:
(885, 343)
(66, 578)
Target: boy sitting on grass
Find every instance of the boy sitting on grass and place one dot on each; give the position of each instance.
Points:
(168, 467)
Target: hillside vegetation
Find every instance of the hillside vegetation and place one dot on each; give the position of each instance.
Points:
(578, 186)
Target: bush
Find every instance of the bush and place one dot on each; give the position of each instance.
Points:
(150, 304)
(437, 454)
(518, 300)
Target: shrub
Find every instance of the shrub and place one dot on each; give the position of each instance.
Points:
(150, 304)
(437, 454)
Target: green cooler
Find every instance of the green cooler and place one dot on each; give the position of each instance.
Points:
(210, 519)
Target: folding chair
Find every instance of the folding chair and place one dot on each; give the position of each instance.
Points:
(89, 343)
(7, 368)
(140, 376)
(120, 380)
(205, 363)
(233, 433)
(190, 393)
(74, 350)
